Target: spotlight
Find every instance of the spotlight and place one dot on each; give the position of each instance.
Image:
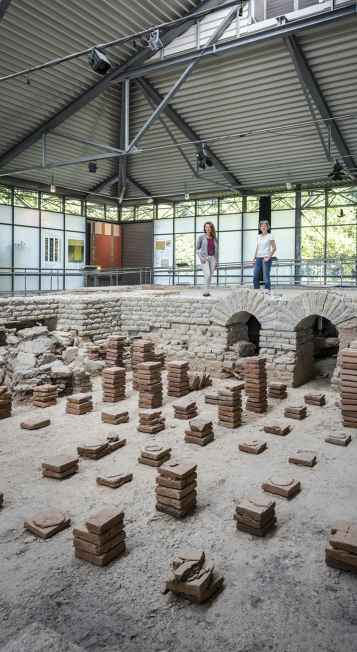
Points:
(154, 42)
(135, 45)
(203, 158)
(92, 167)
(52, 186)
(99, 61)
(240, 11)
(187, 195)
(288, 185)
(28, 80)
(150, 200)
(337, 173)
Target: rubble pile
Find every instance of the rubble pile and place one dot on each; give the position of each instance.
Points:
(193, 577)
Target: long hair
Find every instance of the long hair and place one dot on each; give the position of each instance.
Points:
(213, 230)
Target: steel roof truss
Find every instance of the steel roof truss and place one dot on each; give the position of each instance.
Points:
(307, 76)
(176, 87)
(137, 59)
(185, 129)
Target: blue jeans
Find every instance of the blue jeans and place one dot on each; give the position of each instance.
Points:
(266, 273)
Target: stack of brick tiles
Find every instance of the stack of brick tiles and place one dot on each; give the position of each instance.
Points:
(341, 550)
(113, 383)
(101, 537)
(115, 347)
(185, 409)
(79, 404)
(176, 488)
(151, 421)
(96, 351)
(277, 390)
(150, 385)
(348, 385)
(256, 515)
(45, 395)
(177, 378)
(143, 351)
(81, 381)
(5, 402)
(256, 385)
(230, 405)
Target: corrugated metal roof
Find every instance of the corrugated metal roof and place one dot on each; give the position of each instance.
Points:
(33, 33)
(252, 89)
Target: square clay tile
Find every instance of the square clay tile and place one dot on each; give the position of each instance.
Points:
(282, 485)
(303, 458)
(35, 423)
(338, 438)
(114, 481)
(60, 463)
(276, 428)
(104, 520)
(252, 445)
(177, 469)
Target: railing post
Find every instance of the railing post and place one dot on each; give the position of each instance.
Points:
(341, 273)
(140, 276)
(225, 277)
(25, 280)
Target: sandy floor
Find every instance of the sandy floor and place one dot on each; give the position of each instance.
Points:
(278, 594)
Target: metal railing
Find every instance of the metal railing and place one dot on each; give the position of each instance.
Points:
(340, 272)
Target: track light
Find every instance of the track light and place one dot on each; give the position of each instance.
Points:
(154, 42)
(337, 173)
(240, 14)
(52, 186)
(92, 167)
(150, 200)
(187, 194)
(288, 183)
(135, 45)
(99, 61)
(203, 158)
(28, 80)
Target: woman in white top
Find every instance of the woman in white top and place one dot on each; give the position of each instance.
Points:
(266, 248)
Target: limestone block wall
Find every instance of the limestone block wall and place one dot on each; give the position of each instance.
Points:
(201, 331)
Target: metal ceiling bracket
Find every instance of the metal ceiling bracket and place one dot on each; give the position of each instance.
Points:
(4, 5)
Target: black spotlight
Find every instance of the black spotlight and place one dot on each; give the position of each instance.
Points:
(337, 173)
(203, 159)
(99, 61)
(240, 11)
(135, 45)
(92, 167)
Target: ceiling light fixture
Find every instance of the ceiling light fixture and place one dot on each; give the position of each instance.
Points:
(288, 183)
(187, 194)
(337, 173)
(240, 11)
(28, 80)
(203, 158)
(92, 167)
(99, 61)
(135, 45)
(150, 200)
(52, 186)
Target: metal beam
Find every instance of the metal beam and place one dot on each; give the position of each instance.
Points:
(304, 71)
(176, 87)
(137, 59)
(102, 185)
(4, 5)
(167, 128)
(145, 87)
(250, 40)
(124, 138)
(137, 186)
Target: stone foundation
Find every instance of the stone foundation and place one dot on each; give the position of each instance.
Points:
(213, 335)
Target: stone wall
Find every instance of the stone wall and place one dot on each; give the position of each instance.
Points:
(204, 332)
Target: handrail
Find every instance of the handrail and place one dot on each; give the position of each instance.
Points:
(36, 280)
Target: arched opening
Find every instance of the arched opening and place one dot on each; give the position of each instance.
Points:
(326, 344)
(318, 347)
(243, 331)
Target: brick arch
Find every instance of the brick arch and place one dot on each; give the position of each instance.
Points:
(313, 304)
(238, 306)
